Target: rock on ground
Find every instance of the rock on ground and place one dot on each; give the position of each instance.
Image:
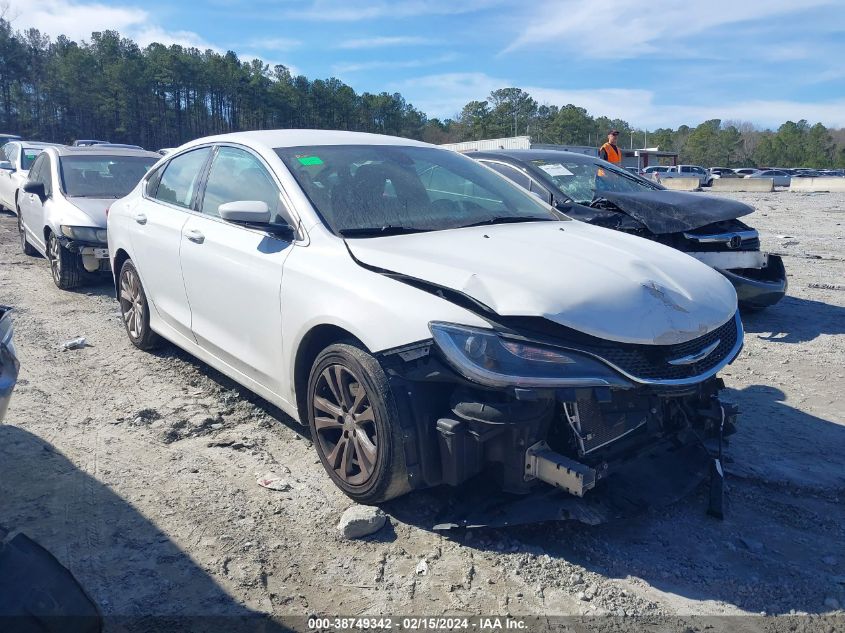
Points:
(359, 521)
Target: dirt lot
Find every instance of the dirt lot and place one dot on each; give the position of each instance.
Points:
(139, 472)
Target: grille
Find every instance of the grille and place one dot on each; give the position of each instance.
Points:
(643, 362)
(651, 362)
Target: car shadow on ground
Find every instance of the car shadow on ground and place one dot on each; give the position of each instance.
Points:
(795, 320)
(169, 350)
(779, 548)
(107, 544)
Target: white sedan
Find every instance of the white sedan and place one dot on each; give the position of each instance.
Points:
(15, 160)
(427, 319)
(63, 204)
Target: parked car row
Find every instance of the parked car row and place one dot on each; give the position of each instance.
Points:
(780, 175)
(429, 320)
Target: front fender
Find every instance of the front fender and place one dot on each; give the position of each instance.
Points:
(323, 285)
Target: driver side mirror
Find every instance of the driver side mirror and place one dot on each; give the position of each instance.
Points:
(35, 188)
(7, 166)
(255, 214)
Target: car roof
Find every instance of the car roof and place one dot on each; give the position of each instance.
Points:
(96, 150)
(36, 144)
(272, 139)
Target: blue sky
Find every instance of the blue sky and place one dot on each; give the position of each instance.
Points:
(652, 62)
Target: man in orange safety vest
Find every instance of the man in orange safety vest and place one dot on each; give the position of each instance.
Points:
(609, 151)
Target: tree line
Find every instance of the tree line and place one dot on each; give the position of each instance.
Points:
(161, 96)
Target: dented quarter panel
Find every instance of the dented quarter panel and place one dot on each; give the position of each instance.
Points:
(598, 281)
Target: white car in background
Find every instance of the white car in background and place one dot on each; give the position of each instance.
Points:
(15, 160)
(705, 178)
(428, 319)
(779, 178)
(745, 171)
(63, 204)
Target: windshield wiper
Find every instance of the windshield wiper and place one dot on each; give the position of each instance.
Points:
(379, 231)
(505, 219)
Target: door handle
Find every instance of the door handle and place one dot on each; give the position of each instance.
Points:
(195, 236)
(140, 218)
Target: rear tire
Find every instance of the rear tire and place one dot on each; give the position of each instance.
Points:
(66, 267)
(26, 247)
(354, 425)
(134, 308)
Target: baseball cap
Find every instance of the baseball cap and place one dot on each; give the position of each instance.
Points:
(616, 132)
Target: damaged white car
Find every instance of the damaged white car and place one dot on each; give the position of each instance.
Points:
(63, 204)
(428, 320)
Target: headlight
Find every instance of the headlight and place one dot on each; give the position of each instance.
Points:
(85, 233)
(486, 357)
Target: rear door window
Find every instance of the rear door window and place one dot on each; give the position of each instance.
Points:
(181, 177)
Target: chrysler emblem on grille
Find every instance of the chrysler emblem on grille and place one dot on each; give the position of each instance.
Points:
(699, 355)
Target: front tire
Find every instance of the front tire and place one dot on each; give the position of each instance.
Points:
(354, 424)
(134, 308)
(65, 266)
(26, 247)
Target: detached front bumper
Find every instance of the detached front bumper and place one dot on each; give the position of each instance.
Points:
(759, 287)
(759, 278)
(94, 255)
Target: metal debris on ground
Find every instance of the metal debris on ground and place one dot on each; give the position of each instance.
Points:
(74, 343)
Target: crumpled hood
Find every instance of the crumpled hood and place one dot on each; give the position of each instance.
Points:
(94, 208)
(676, 211)
(601, 282)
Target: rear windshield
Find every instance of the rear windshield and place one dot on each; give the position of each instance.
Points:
(102, 176)
(585, 180)
(357, 188)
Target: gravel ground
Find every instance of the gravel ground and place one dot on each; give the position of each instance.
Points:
(138, 471)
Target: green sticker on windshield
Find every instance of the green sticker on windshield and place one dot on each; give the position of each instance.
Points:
(310, 160)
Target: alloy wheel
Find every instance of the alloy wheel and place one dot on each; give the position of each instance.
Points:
(55, 255)
(345, 423)
(132, 303)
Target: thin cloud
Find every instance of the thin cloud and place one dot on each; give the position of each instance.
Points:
(385, 41)
(376, 65)
(642, 28)
(276, 44)
(360, 10)
(77, 20)
(444, 95)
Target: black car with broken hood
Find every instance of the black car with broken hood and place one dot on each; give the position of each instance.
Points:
(708, 228)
